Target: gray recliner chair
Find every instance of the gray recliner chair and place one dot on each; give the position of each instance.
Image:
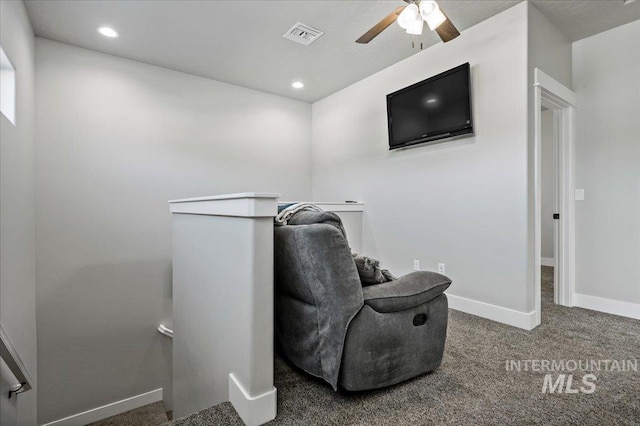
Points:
(332, 327)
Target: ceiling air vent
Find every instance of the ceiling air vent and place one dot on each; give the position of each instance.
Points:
(303, 34)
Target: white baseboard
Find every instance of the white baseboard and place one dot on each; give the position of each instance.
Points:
(609, 306)
(253, 410)
(109, 410)
(548, 261)
(525, 320)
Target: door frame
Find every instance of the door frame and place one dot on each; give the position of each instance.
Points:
(562, 101)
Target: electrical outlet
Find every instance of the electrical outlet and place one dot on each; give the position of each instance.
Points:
(441, 269)
(416, 265)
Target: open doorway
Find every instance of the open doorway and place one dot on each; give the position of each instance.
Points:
(548, 203)
(559, 104)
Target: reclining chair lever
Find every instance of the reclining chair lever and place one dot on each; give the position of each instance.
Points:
(420, 319)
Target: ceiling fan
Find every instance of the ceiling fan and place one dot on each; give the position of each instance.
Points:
(412, 18)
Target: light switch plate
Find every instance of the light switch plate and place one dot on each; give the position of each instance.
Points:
(579, 195)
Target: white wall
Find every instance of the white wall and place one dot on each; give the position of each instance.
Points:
(548, 187)
(17, 212)
(116, 139)
(605, 77)
(464, 202)
(548, 48)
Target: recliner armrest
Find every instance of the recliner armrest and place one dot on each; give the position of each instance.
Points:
(406, 292)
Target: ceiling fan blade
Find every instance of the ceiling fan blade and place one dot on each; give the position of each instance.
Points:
(447, 31)
(380, 26)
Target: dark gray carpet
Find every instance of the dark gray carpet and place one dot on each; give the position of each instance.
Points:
(471, 386)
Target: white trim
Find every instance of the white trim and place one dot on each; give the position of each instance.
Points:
(493, 312)
(333, 206)
(557, 138)
(548, 261)
(566, 201)
(109, 410)
(564, 94)
(228, 197)
(246, 204)
(340, 207)
(609, 306)
(537, 203)
(253, 410)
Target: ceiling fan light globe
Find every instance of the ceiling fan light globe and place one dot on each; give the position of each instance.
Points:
(408, 16)
(427, 7)
(435, 19)
(430, 12)
(416, 26)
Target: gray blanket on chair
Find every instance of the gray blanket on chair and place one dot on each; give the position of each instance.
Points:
(370, 271)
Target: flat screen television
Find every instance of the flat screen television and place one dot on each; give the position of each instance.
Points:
(433, 109)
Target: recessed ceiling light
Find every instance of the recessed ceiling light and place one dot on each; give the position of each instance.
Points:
(297, 85)
(108, 32)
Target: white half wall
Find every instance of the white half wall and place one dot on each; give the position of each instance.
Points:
(17, 213)
(117, 139)
(463, 202)
(605, 77)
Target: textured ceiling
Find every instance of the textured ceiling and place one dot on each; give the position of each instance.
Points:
(583, 18)
(240, 42)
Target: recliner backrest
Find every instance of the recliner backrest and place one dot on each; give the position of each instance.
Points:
(313, 264)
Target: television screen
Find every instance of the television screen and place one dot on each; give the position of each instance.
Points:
(436, 108)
